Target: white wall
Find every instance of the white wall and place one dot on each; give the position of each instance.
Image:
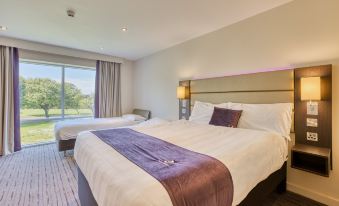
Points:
(54, 54)
(51, 49)
(303, 32)
(127, 87)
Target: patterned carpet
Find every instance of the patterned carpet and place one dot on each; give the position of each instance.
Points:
(37, 176)
(41, 175)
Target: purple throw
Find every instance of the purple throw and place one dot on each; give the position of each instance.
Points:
(190, 178)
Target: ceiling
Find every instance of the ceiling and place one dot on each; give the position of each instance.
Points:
(152, 25)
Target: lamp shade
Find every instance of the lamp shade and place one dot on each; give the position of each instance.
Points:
(310, 88)
(182, 92)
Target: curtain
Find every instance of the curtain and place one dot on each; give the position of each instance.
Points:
(107, 90)
(9, 101)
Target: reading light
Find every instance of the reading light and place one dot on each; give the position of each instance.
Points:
(182, 92)
(124, 29)
(310, 88)
(311, 91)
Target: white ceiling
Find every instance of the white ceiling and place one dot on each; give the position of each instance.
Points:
(152, 25)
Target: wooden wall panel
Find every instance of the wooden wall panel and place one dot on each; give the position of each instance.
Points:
(324, 116)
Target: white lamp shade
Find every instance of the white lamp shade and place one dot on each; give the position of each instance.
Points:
(310, 88)
(182, 92)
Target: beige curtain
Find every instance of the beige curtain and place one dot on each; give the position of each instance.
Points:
(108, 90)
(9, 101)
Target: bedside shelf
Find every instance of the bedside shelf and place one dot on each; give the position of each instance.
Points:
(311, 159)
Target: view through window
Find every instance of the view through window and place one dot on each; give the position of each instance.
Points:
(51, 93)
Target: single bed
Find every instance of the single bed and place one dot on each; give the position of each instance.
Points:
(67, 131)
(113, 180)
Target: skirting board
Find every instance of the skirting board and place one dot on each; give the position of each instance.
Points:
(325, 199)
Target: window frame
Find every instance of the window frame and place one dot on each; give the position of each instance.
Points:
(62, 67)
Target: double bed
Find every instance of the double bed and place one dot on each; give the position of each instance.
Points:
(255, 157)
(67, 131)
(116, 181)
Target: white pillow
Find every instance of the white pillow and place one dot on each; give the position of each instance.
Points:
(268, 117)
(202, 111)
(133, 117)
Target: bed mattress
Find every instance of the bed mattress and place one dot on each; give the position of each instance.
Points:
(250, 155)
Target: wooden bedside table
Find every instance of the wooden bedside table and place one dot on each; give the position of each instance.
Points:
(311, 159)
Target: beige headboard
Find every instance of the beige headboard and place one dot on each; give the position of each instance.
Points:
(257, 88)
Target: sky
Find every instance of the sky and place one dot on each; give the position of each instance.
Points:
(83, 79)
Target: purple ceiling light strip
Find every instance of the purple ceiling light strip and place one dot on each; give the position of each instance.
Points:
(216, 75)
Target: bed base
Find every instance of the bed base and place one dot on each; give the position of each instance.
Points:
(64, 145)
(276, 181)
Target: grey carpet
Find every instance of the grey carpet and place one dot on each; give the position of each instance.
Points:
(40, 175)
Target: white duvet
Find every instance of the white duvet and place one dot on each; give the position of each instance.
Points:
(250, 155)
(69, 129)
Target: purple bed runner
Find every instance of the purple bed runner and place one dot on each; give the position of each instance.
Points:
(190, 178)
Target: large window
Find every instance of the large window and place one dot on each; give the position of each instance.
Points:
(51, 93)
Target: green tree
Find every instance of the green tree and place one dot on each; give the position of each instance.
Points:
(41, 93)
(72, 97)
(22, 89)
(87, 102)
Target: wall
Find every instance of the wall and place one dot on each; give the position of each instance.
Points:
(53, 54)
(51, 49)
(301, 33)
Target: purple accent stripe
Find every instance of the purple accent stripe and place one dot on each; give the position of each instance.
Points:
(190, 178)
(97, 81)
(16, 91)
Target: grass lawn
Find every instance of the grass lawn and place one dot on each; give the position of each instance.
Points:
(35, 132)
(31, 113)
(42, 131)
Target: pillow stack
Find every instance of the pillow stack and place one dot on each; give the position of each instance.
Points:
(275, 118)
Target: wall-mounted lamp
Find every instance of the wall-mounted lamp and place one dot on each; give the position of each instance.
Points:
(311, 91)
(182, 92)
(183, 95)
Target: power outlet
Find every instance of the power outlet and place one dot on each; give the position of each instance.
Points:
(311, 136)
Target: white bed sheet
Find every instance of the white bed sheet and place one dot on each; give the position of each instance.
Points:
(250, 155)
(69, 129)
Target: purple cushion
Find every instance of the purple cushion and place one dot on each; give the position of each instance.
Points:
(225, 117)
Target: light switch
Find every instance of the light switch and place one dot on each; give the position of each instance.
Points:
(312, 108)
(312, 122)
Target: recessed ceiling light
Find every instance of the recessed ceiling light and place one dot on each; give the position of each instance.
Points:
(124, 29)
(3, 28)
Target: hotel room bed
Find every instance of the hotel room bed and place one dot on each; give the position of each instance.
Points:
(251, 156)
(255, 153)
(67, 131)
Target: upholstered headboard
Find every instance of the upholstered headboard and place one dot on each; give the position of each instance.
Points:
(142, 112)
(258, 88)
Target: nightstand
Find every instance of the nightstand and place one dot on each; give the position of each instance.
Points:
(311, 159)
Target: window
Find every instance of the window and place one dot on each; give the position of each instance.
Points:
(51, 93)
